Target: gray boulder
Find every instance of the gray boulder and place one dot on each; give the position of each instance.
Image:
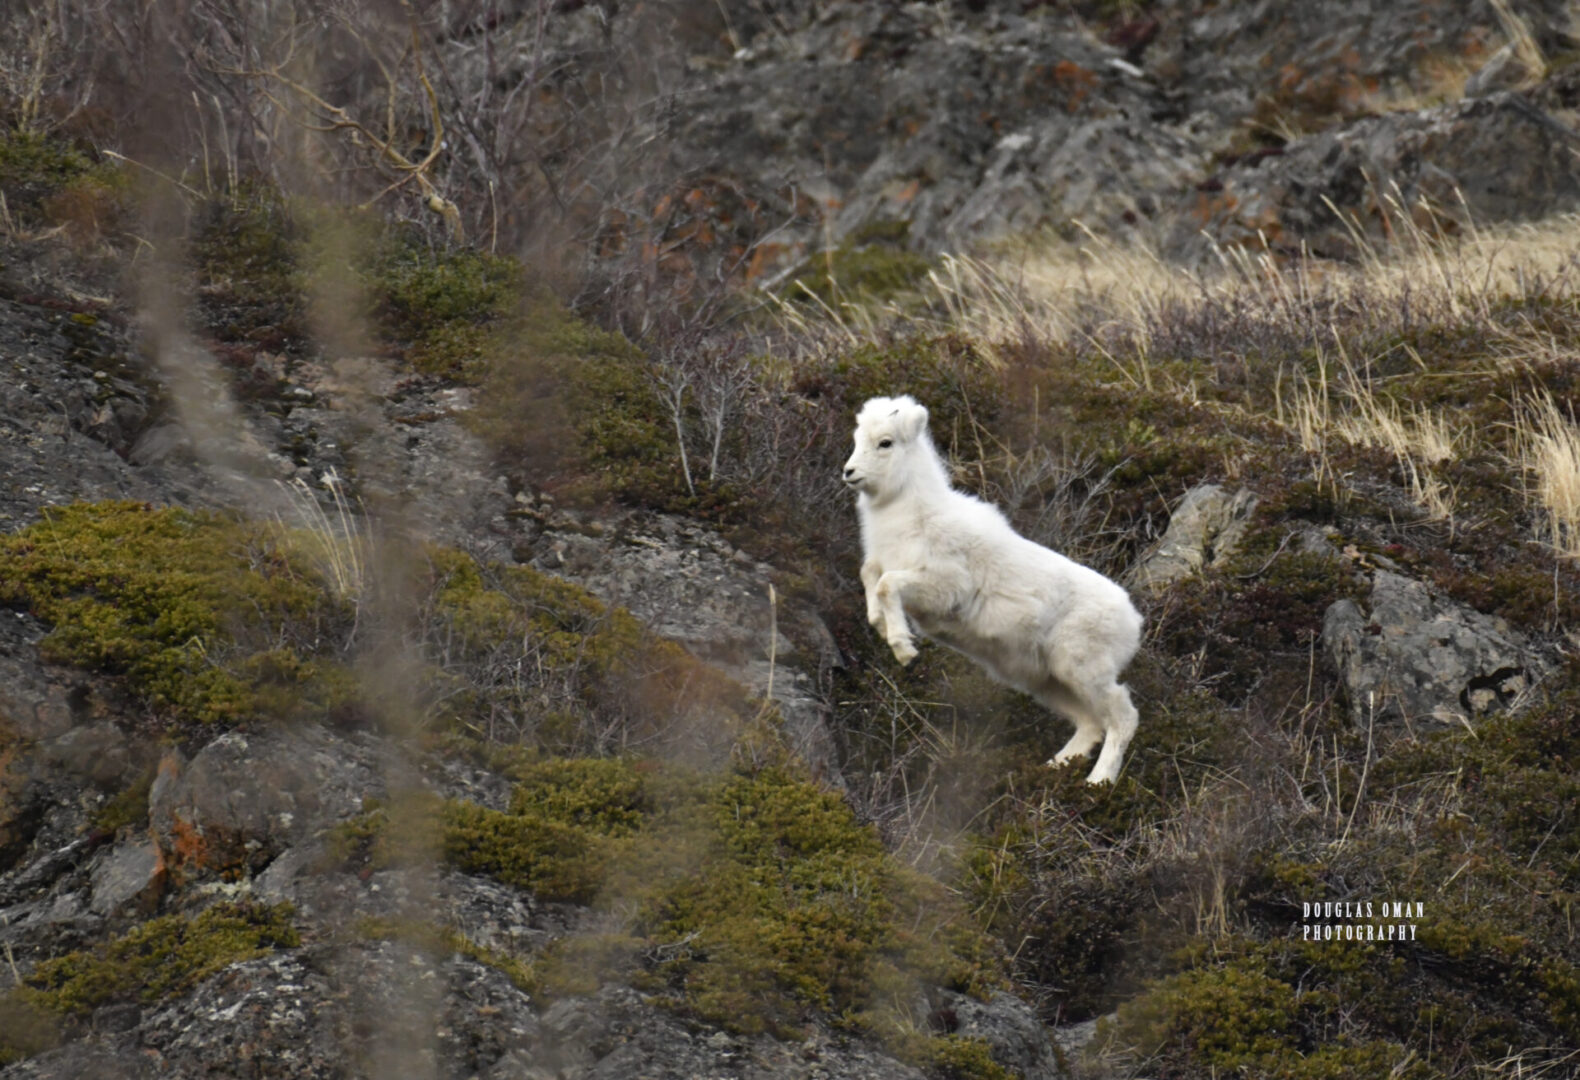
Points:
(99, 753)
(1204, 530)
(1019, 1040)
(1500, 158)
(687, 583)
(385, 1008)
(1417, 657)
(131, 877)
(245, 798)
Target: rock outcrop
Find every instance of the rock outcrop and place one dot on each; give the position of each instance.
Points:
(1497, 158)
(690, 585)
(1415, 657)
(243, 799)
(978, 122)
(1203, 531)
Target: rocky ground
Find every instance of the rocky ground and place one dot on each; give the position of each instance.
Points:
(1188, 126)
(406, 672)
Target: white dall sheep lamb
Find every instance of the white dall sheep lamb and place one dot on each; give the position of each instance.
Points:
(952, 563)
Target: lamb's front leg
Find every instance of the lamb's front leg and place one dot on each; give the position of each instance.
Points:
(925, 591)
(870, 573)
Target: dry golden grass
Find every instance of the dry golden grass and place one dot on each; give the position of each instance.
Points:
(1418, 438)
(1113, 301)
(1519, 35)
(337, 545)
(1547, 452)
(1065, 292)
(1118, 305)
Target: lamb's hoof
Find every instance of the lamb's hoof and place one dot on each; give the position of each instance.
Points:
(904, 651)
(1097, 781)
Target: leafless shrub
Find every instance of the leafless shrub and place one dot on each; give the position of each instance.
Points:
(48, 58)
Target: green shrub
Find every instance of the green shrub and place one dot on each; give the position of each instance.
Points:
(189, 608)
(129, 808)
(949, 374)
(26, 1029)
(874, 263)
(551, 860)
(160, 958)
(32, 164)
(594, 669)
(251, 286)
(1247, 1015)
(448, 311)
(953, 1057)
(752, 900)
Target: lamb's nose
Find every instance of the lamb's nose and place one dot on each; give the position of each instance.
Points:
(850, 470)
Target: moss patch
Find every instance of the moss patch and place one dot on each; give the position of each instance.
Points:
(594, 673)
(209, 618)
(34, 165)
(274, 275)
(953, 1057)
(155, 961)
(1518, 775)
(1243, 1017)
(447, 311)
(252, 288)
(754, 900)
(206, 617)
(25, 1028)
(580, 408)
(948, 373)
(550, 859)
(873, 263)
(128, 808)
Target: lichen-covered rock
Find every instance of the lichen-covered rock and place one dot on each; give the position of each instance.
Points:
(387, 1008)
(244, 798)
(1075, 1038)
(985, 121)
(130, 877)
(1019, 1040)
(48, 362)
(1309, 64)
(1203, 531)
(690, 585)
(96, 752)
(1499, 158)
(80, 1059)
(1416, 657)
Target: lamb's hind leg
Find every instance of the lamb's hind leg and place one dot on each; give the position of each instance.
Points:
(1119, 719)
(1088, 732)
(1085, 666)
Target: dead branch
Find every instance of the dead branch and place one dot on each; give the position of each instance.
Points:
(330, 118)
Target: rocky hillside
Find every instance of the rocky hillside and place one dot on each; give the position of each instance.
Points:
(431, 642)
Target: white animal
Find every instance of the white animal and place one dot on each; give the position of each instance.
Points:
(953, 565)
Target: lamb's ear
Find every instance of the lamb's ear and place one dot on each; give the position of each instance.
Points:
(911, 419)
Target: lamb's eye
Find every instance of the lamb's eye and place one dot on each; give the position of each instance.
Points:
(885, 444)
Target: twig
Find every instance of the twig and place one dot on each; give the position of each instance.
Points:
(1259, 571)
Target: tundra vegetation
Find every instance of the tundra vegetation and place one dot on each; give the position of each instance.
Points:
(1414, 408)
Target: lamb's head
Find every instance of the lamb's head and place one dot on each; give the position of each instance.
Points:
(888, 431)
